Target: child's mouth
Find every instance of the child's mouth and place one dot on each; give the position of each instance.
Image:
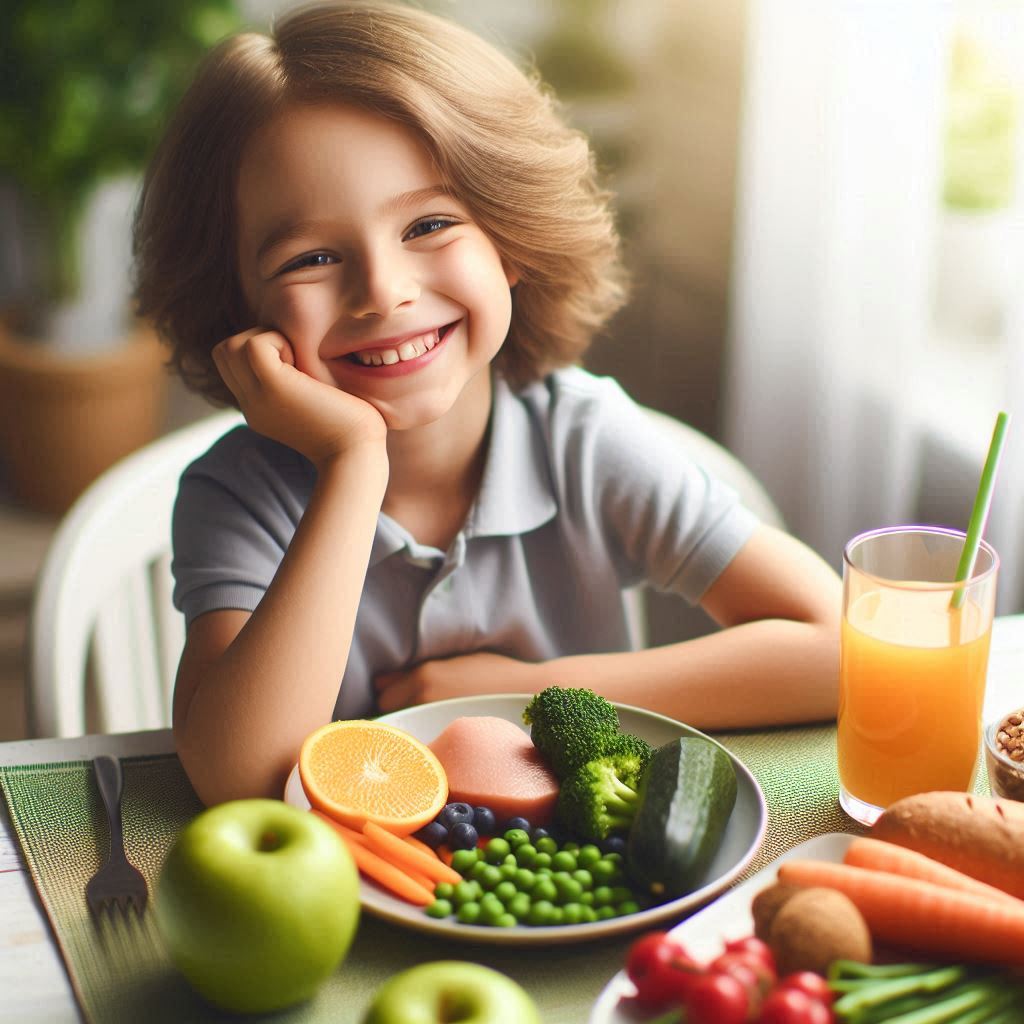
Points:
(409, 350)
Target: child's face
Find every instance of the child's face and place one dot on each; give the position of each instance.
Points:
(350, 247)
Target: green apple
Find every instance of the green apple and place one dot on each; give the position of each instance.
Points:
(258, 902)
(449, 990)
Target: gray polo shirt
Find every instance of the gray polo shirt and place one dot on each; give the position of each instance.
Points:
(582, 497)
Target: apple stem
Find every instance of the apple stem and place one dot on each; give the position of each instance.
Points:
(269, 842)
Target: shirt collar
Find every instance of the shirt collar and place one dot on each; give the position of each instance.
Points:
(516, 492)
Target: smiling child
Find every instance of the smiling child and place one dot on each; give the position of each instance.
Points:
(377, 237)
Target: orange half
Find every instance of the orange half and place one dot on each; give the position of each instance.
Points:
(359, 771)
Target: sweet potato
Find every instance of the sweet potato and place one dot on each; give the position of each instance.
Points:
(981, 836)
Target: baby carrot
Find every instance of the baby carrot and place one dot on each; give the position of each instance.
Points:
(352, 836)
(877, 855)
(380, 870)
(418, 844)
(920, 915)
(400, 852)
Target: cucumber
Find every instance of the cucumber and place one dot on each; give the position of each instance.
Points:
(686, 796)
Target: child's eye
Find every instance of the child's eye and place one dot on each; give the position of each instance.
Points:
(429, 226)
(313, 259)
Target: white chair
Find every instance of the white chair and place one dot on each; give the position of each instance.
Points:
(102, 603)
(102, 610)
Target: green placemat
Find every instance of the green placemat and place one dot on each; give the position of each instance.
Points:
(122, 973)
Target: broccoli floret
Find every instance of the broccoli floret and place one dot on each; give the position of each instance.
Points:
(626, 744)
(570, 726)
(601, 797)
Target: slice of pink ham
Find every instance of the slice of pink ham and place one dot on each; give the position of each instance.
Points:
(491, 762)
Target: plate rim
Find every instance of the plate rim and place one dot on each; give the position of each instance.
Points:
(566, 934)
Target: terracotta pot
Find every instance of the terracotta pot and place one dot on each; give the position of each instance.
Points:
(64, 419)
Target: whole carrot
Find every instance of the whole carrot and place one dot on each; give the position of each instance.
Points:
(383, 872)
(876, 855)
(921, 916)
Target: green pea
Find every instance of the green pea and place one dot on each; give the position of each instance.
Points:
(506, 921)
(605, 913)
(588, 856)
(584, 877)
(468, 913)
(440, 908)
(605, 871)
(496, 850)
(603, 896)
(519, 905)
(526, 855)
(463, 860)
(570, 847)
(587, 914)
(444, 890)
(524, 879)
(505, 891)
(509, 858)
(509, 868)
(490, 876)
(477, 870)
(564, 861)
(544, 889)
(467, 892)
(491, 910)
(569, 890)
(621, 893)
(541, 912)
(628, 907)
(543, 859)
(546, 844)
(572, 913)
(587, 897)
(516, 837)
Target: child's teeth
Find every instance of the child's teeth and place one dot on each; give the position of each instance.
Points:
(407, 350)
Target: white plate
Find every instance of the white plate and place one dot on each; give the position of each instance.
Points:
(706, 932)
(742, 838)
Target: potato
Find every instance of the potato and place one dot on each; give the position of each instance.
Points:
(981, 836)
(816, 926)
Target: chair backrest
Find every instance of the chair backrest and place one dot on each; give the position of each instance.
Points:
(102, 606)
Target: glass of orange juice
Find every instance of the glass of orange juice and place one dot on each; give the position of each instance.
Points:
(913, 661)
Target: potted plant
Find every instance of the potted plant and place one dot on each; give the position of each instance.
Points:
(86, 87)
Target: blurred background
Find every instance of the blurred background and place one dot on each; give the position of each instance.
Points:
(821, 201)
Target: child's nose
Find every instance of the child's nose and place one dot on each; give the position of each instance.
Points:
(381, 283)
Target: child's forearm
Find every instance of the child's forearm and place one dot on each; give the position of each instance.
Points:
(767, 672)
(253, 704)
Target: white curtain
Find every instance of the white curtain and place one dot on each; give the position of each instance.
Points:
(834, 394)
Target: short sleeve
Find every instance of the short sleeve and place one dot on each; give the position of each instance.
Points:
(236, 511)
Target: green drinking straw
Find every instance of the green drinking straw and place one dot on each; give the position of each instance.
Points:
(979, 514)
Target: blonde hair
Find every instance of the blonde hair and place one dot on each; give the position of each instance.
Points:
(493, 131)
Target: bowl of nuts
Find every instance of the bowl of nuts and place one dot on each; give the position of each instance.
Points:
(1004, 755)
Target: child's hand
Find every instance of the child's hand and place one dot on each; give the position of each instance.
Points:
(278, 400)
(466, 675)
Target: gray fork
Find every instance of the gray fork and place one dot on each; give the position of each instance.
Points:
(118, 882)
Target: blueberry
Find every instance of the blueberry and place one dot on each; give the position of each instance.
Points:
(538, 833)
(462, 836)
(613, 844)
(454, 814)
(484, 821)
(433, 834)
(515, 823)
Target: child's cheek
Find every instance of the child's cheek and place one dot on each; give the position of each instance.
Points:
(299, 311)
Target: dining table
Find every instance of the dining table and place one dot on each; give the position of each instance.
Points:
(58, 965)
